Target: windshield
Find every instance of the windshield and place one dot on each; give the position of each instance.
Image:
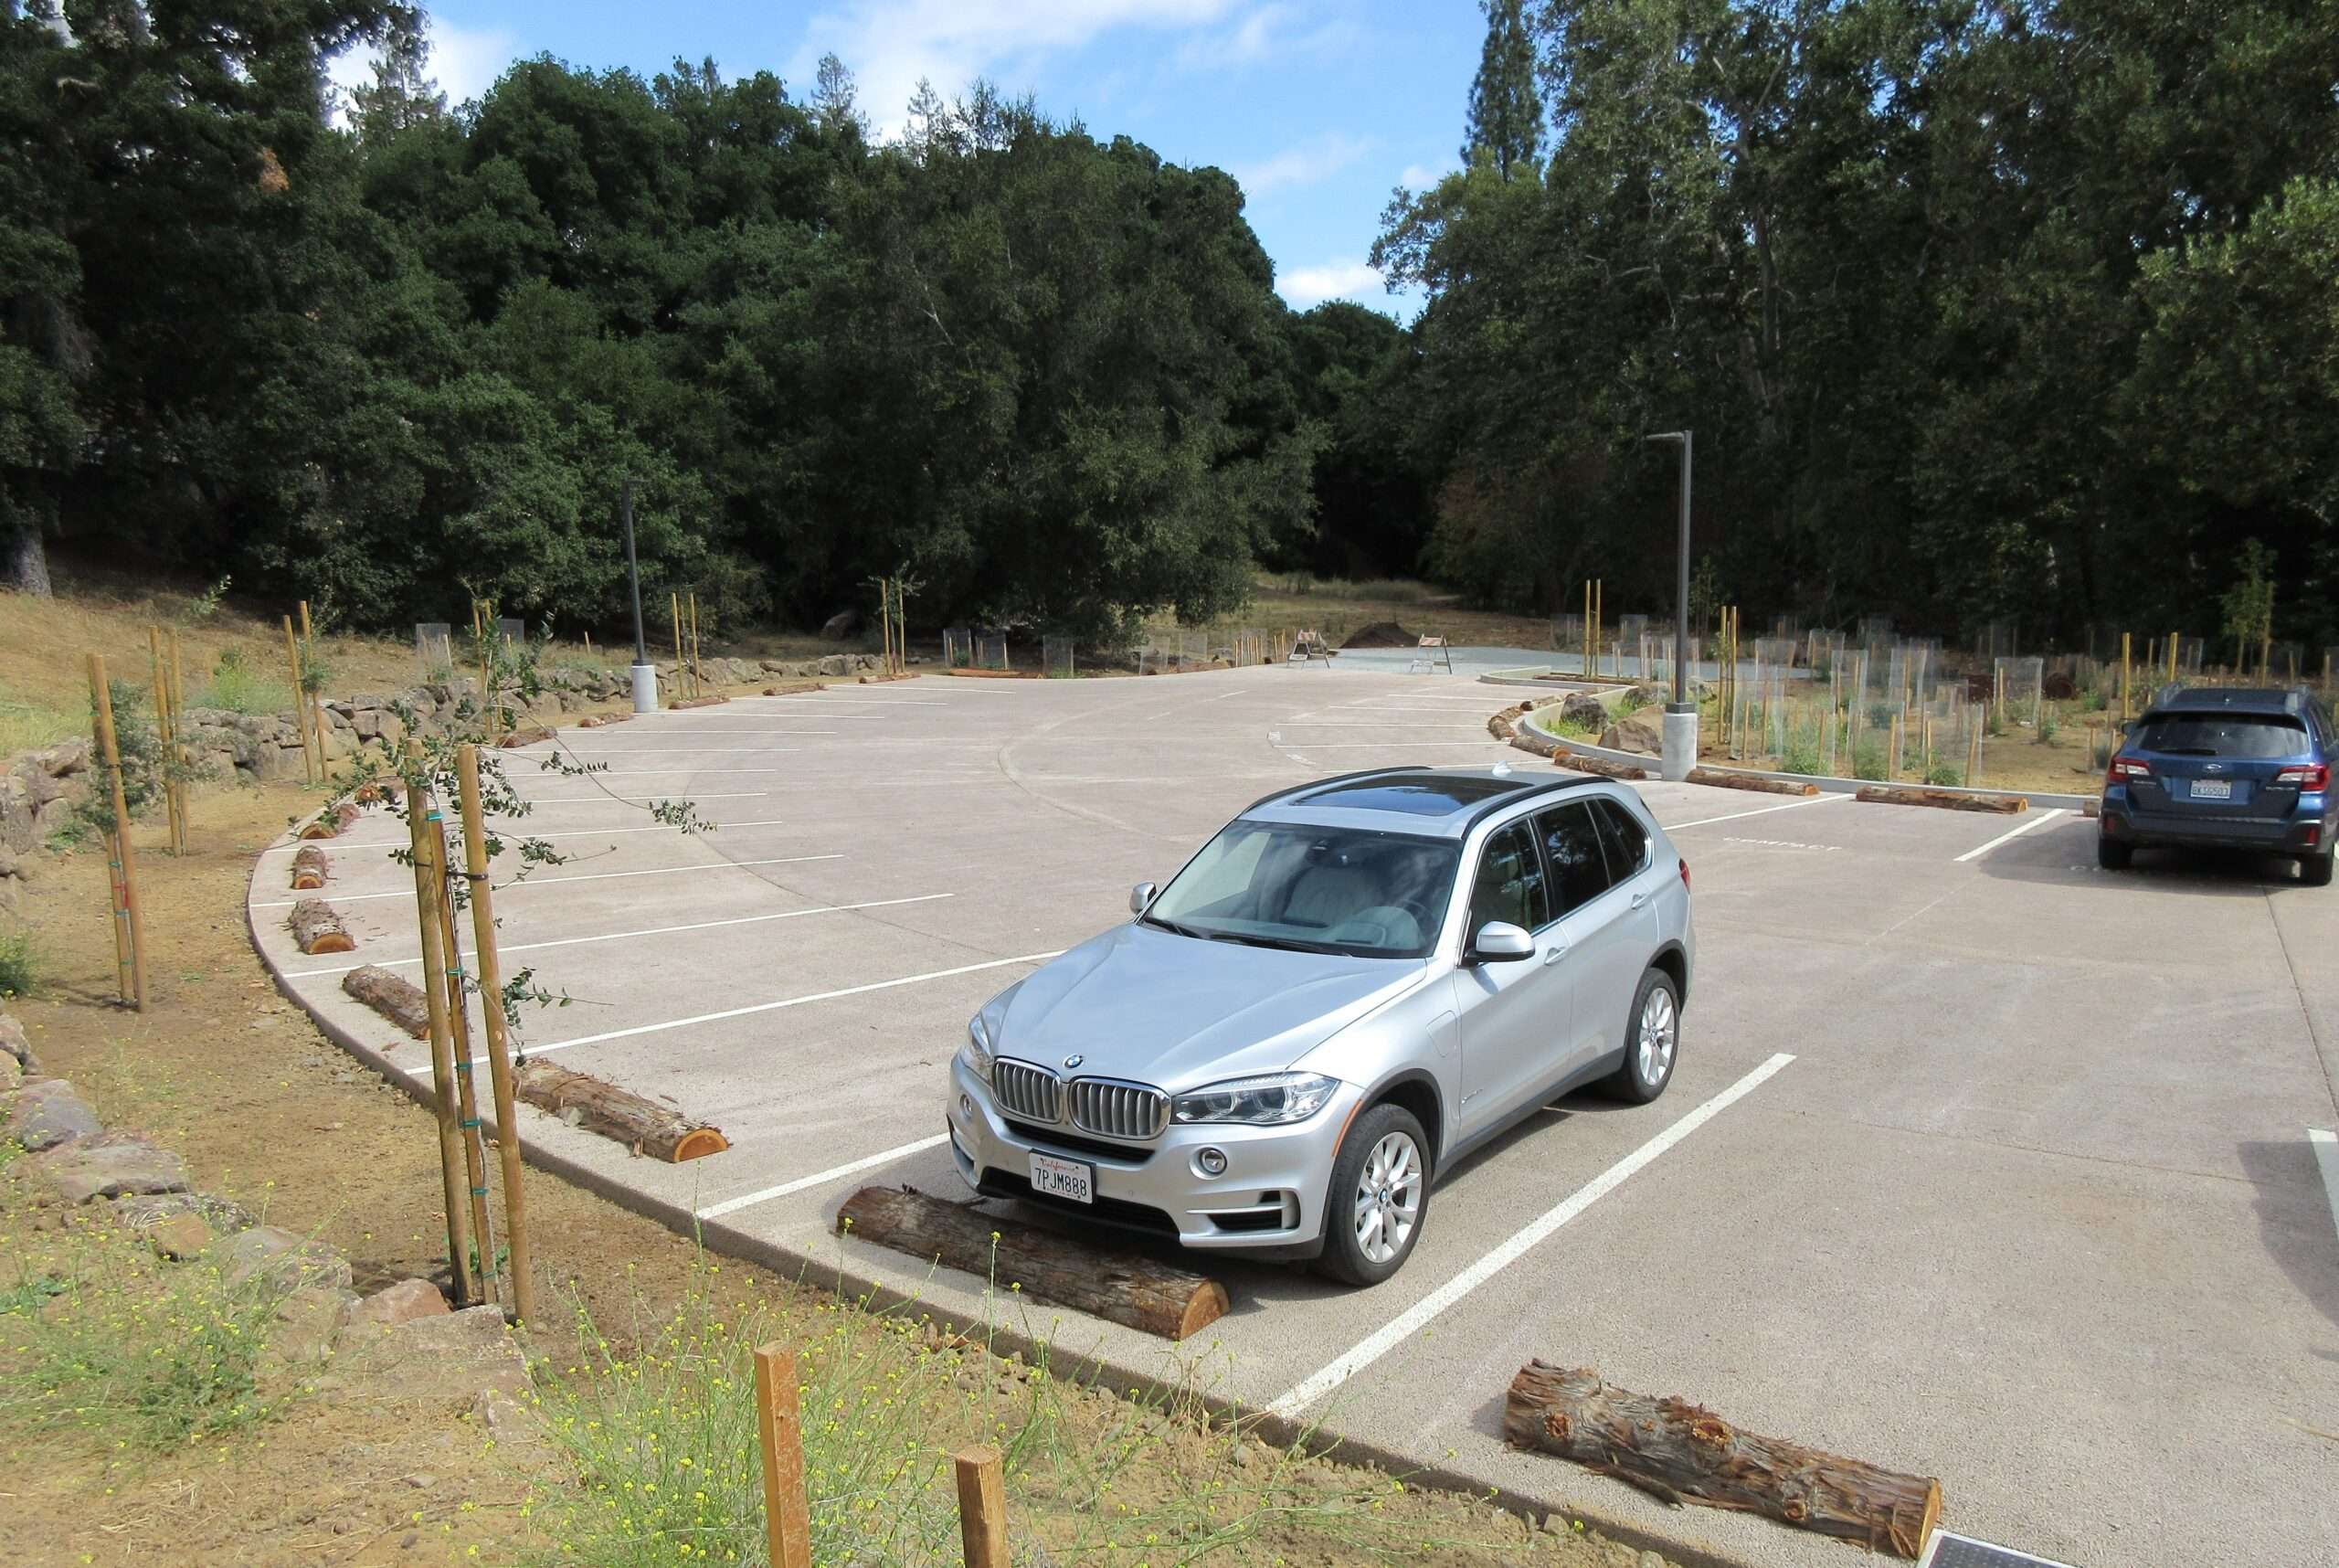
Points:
(1337, 890)
(2253, 737)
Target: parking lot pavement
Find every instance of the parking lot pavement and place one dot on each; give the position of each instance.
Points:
(1979, 1161)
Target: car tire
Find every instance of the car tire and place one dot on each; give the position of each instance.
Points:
(2315, 871)
(2113, 856)
(1358, 1251)
(1652, 1039)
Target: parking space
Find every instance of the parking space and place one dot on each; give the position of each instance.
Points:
(1979, 1161)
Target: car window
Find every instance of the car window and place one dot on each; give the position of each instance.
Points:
(1622, 836)
(1370, 894)
(1571, 845)
(1509, 885)
(2244, 737)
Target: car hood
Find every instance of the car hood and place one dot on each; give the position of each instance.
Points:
(1179, 1012)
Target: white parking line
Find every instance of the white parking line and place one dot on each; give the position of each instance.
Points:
(651, 931)
(1414, 1320)
(790, 1001)
(2039, 821)
(2325, 1144)
(502, 888)
(637, 805)
(508, 827)
(820, 1179)
(1348, 725)
(674, 772)
(1757, 811)
(686, 750)
(1384, 744)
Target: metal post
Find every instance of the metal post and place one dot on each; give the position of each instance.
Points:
(645, 674)
(1680, 713)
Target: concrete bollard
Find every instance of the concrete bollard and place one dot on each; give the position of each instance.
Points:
(645, 688)
(1680, 741)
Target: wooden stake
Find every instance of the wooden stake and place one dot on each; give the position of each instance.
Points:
(499, 1048)
(178, 707)
(166, 731)
(982, 1508)
(422, 823)
(307, 699)
(125, 857)
(674, 612)
(459, 1019)
(885, 618)
(698, 670)
(300, 709)
(780, 1433)
(2172, 657)
(588, 645)
(2126, 657)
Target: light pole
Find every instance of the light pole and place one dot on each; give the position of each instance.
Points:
(1680, 713)
(645, 674)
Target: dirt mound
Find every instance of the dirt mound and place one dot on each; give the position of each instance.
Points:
(1381, 635)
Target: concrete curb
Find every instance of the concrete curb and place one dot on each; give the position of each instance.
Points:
(1827, 783)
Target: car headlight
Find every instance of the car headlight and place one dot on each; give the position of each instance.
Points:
(977, 1052)
(1271, 1099)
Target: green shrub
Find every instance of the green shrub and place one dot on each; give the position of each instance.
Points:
(1868, 758)
(237, 688)
(1632, 702)
(19, 965)
(2047, 725)
(1945, 773)
(1801, 754)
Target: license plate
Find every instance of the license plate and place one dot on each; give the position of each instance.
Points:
(2213, 788)
(1055, 1178)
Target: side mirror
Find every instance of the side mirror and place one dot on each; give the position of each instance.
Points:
(1141, 897)
(1500, 942)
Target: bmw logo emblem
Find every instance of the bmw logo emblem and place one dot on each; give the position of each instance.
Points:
(1073, 1061)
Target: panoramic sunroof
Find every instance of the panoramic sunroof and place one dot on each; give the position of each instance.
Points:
(1420, 795)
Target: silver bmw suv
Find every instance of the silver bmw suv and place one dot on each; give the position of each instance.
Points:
(1352, 984)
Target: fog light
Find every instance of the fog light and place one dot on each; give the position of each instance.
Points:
(966, 1108)
(1210, 1161)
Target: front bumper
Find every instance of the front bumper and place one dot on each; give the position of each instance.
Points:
(2302, 831)
(1270, 1199)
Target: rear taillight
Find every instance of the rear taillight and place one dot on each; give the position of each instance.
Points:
(2312, 776)
(2123, 768)
(1685, 877)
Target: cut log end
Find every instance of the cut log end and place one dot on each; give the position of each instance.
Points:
(318, 929)
(308, 868)
(697, 1143)
(1764, 784)
(642, 1124)
(329, 824)
(1207, 1307)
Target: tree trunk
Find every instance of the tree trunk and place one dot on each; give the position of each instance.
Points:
(642, 1125)
(1724, 778)
(1577, 762)
(399, 1000)
(318, 930)
(1121, 1286)
(308, 868)
(1678, 1452)
(1945, 799)
(26, 566)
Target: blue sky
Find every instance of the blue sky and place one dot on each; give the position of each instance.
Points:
(1317, 106)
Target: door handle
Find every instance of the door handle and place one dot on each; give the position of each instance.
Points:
(1554, 953)
(1640, 897)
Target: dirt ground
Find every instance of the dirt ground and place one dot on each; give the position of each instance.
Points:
(269, 1113)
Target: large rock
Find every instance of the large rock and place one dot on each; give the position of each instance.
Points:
(307, 1321)
(180, 1237)
(393, 1305)
(1582, 708)
(840, 625)
(285, 1260)
(110, 1166)
(1642, 732)
(12, 1041)
(47, 1114)
(451, 1358)
(145, 1212)
(836, 664)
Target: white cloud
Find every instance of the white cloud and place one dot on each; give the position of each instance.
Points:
(1271, 31)
(1301, 166)
(889, 44)
(1306, 286)
(464, 61)
(1423, 176)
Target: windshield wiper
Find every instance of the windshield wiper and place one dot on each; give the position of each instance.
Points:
(1173, 926)
(1287, 944)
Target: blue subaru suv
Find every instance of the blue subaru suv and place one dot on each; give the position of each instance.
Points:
(2224, 770)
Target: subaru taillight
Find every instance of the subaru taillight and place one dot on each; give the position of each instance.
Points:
(2314, 776)
(2123, 768)
(1685, 877)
